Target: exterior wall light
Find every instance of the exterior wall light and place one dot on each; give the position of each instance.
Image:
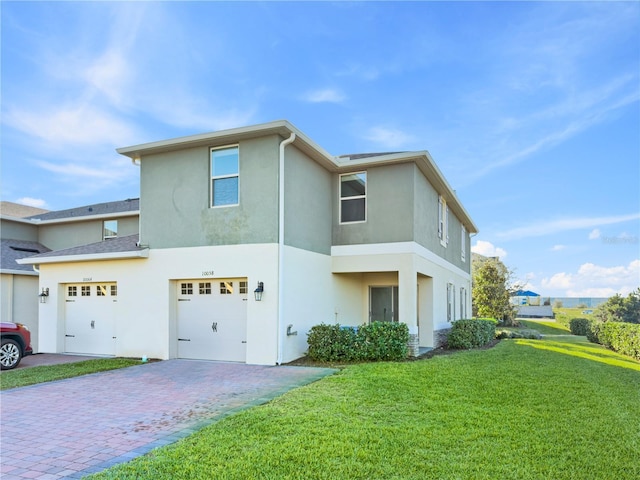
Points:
(258, 291)
(44, 295)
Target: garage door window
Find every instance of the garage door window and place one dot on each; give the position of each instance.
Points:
(101, 291)
(226, 288)
(186, 288)
(244, 288)
(72, 291)
(205, 288)
(85, 291)
(114, 290)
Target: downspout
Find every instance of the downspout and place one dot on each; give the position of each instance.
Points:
(136, 161)
(283, 144)
(35, 269)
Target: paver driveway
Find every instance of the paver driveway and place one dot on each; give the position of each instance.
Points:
(70, 428)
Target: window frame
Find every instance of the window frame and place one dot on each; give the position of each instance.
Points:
(104, 229)
(443, 221)
(213, 178)
(463, 244)
(354, 197)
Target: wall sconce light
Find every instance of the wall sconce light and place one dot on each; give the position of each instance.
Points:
(44, 295)
(258, 291)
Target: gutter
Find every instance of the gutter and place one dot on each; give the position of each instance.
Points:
(283, 144)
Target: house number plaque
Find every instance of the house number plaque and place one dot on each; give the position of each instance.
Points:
(207, 273)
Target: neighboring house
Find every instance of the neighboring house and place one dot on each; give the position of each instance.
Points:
(28, 231)
(248, 237)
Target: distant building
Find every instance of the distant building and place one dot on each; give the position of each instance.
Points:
(525, 297)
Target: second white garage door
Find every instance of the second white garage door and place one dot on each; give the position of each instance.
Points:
(212, 319)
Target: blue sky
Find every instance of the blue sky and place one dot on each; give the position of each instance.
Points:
(531, 110)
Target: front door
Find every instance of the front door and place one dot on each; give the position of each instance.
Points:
(383, 304)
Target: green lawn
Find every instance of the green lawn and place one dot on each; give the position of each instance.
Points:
(47, 373)
(546, 327)
(565, 315)
(558, 408)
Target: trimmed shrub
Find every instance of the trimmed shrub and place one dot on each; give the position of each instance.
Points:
(593, 331)
(376, 341)
(621, 337)
(467, 334)
(382, 341)
(579, 326)
(524, 333)
(331, 343)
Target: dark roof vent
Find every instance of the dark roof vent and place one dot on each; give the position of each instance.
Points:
(23, 249)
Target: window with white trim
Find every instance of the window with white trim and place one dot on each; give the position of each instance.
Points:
(463, 302)
(85, 290)
(225, 176)
(204, 288)
(109, 229)
(72, 291)
(244, 288)
(443, 221)
(353, 197)
(451, 302)
(114, 290)
(186, 288)
(463, 244)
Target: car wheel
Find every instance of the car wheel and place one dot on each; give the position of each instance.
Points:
(10, 354)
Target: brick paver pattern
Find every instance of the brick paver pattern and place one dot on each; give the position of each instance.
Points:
(74, 427)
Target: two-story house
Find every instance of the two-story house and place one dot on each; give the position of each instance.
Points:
(248, 237)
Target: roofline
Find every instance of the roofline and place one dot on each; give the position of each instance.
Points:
(92, 257)
(9, 271)
(332, 163)
(16, 219)
(83, 218)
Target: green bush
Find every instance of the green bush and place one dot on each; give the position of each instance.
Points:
(579, 326)
(376, 341)
(523, 333)
(621, 337)
(593, 332)
(471, 333)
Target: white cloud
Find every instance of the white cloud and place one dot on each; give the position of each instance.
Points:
(388, 137)
(32, 202)
(557, 248)
(594, 281)
(488, 249)
(595, 234)
(328, 95)
(555, 226)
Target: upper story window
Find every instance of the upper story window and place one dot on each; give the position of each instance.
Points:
(443, 221)
(463, 244)
(353, 197)
(225, 175)
(109, 229)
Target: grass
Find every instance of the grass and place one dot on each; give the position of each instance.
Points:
(565, 315)
(558, 408)
(47, 373)
(546, 327)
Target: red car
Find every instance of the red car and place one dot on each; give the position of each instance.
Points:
(16, 343)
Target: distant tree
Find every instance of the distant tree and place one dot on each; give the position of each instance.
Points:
(492, 290)
(620, 309)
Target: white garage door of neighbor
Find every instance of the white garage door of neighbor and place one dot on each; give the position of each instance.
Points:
(90, 315)
(212, 319)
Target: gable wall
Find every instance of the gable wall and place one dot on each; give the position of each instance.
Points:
(18, 231)
(66, 235)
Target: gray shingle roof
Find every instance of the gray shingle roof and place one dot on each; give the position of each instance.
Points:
(12, 250)
(119, 206)
(113, 245)
(357, 156)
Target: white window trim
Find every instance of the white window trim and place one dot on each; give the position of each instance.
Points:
(451, 302)
(104, 230)
(220, 177)
(341, 198)
(463, 244)
(443, 221)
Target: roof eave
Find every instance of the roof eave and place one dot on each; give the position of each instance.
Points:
(92, 257)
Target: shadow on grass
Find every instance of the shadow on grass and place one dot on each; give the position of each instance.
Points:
(580, 348)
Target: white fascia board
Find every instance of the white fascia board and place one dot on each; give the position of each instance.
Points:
(93, 257)
(16, 219)
(397, 248)
(18, 272)
(85, 218)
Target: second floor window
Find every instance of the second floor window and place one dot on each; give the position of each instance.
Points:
(225, 175)
(353, 197)
(110, 229)
(443, 221)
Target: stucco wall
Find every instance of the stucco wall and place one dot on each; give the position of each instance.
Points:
(66, 235)
(175, 198)
(18, 231)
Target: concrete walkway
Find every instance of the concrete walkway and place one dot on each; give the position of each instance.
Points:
(74, 427)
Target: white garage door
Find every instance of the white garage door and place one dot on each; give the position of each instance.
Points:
(212, 319)
(90, 318)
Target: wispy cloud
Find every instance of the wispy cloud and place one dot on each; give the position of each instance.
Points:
(563, 225)
(32, 202)
(327, 95)
(388, 137)
(593, 280)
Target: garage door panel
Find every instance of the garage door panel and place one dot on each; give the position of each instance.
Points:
(90, 311)
(212, 319)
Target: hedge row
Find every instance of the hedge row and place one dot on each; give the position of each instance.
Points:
(621, 337)
(471, 333)
(579, 326)
(376, 341)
